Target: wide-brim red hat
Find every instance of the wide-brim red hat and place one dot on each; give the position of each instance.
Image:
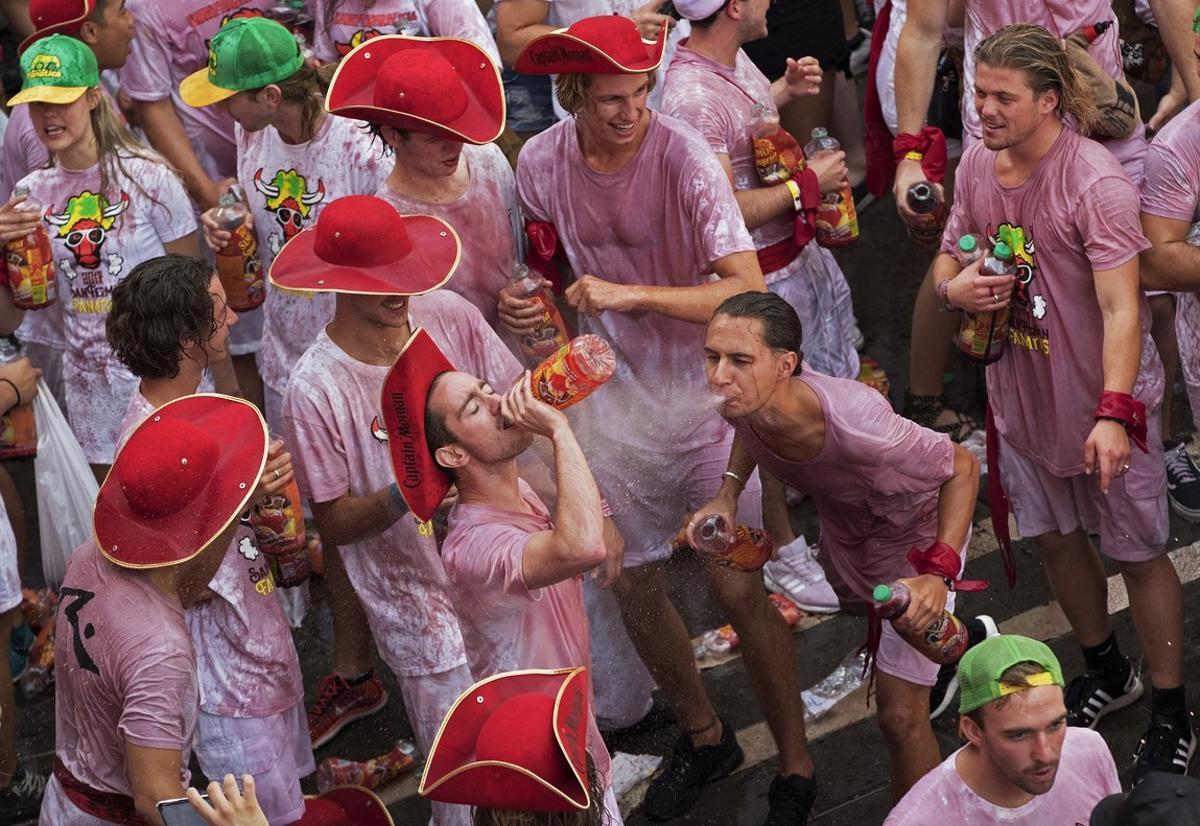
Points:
(361, 245)
(515, 741)
(56, 17)
(441, 86)
(421, 480)
(183, 476)
(345, 806)
(606, 45)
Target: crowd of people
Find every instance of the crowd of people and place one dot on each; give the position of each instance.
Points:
(271, 258)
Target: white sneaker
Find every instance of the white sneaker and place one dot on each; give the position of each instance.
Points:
(798, 576)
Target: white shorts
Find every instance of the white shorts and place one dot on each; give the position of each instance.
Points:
(10, 576)
(427, 699)
(816, 288)
(58, 810)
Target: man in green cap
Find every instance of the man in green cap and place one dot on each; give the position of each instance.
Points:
(1021, 764)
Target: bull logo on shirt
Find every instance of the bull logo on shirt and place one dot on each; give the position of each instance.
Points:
(1029, 306)
(1020, 241)
(357, 39)
(83, 225)
(289, 197)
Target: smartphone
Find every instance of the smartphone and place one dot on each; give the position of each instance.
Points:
(668, 8)
(179, 812)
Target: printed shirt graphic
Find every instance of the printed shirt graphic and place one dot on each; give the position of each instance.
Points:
(330, 412)
(98, 237)
(287, 186)
(355, 21)
(1075, 215)
(171, 43)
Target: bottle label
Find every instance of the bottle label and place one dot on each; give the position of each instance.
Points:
(240, 271)
(837, 220)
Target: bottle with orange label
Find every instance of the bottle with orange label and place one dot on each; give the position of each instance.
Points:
(944, 642)
(551, 333)
(837, 218)
(238, 264)
(777, 156)
(982, 336)
(30, 262)
(278, 524)
(572, 373)
(739, 546)
(18, 430)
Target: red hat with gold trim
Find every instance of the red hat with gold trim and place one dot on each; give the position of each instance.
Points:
(345, 806)
(361, 245)
(606, 45)
(184, 475)
(441, 86)
(515, 741)
(56, 17)
(420, 479)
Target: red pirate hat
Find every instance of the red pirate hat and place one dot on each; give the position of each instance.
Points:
(345, 806)
(515, 741)
(442, 86)
(361, 245)
(182, 477)
(606, 45)
(56, 17)
(421, 480)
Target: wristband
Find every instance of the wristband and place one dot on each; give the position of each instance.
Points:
(914, 156)
(943, 291)
(397, 500)
(1127, 411)
(734, 477)
(794, 188)
(16, 392)
(940, 560)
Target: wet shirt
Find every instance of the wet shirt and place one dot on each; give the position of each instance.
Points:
(486, 220)
(125, 671)
(287, 186)
(340, 25)
(506, 625)
(332, 414)
(662, 220)
(875, 481)
(246, 661)
(98, 237)
(1171, 181)
(1086, 774)
(1076, 214)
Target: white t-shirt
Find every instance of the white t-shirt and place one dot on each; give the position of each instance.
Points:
(354, 21)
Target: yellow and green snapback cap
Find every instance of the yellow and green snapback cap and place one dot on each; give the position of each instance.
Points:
(980, 669)
(56, 69)
(247, 53)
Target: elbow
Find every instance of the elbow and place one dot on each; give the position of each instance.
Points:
(966, 467)
(146, 804)
(594, 552)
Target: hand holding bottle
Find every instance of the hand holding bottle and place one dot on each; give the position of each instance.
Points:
(974, 292)
(217, 236)
(17, 223)
(927, 601)
(522, 409)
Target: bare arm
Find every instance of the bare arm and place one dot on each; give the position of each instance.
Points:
(916, 64)
(1174, 18)
(349, 519)
(16, 12)
(153, 775)
(956, 499)
(1172, 263)
(758, 205)
(518, 22)
(166, 133)
(741, 465)
(187, 245)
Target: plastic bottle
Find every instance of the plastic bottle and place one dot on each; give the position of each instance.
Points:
(969, 250)
(278, 525)
(837, 219)
(923, 199)
(764, 127)
(740, 547)
(982, 336)
(31, 262)
(18, 430)
(944, 642)
(238, 265)
(551, 333)
(571, 374)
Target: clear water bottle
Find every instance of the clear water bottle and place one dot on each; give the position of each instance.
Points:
(837, 218)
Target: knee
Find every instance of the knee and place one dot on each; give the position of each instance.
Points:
(902, 722)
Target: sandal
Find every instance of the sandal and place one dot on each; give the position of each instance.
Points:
(926, 410)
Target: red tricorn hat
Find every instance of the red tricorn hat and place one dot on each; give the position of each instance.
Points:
(606, 45)
(442, 86)
(56, 17)
(515, 741)
(183, 476)
(421, 480)
(346, 806)
(361, 245)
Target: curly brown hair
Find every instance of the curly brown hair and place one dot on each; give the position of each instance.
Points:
(163, 303)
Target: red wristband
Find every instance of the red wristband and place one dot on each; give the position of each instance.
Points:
(1127, 410)
(929, 142)
(939, 559)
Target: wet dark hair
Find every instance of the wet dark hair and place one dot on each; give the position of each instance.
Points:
(161, 303)
(437, 433)
(780, 325)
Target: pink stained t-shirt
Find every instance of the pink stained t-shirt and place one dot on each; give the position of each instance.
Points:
(1078, 213)
(246, 661)
(125, 671)
(486, 219)
(339, 26)
(662, 221)
(1171, 179)
(287, 186)
(1086, 774)
(875, 481)
(1061, 18)
(505, 625)
(332, 415)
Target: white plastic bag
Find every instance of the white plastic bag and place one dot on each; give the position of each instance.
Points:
(66, 488)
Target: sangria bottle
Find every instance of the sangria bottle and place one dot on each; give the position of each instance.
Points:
(740, 547)
(31, 261)
(764, 127)
(944, 642)
(837, 219)
(18, 430)
(923, 199)
(983, 335)
(238, 264)
(571, 374)
(551, 333)
(278, 524)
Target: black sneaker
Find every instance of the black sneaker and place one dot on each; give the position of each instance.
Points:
(677, 786)
(1092, 695)
(21, 799)
(658, 717)
(942, 694)
(791, 799)
(1167, 747)
(1183, 481)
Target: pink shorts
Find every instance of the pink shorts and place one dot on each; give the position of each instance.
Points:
(1132, 519)
(275, 749)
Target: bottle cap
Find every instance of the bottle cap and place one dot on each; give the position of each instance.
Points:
(820, 132)
(967, 243)
(1002, 251)
(882, 593)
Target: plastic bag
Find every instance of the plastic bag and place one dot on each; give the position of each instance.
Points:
(66, 488)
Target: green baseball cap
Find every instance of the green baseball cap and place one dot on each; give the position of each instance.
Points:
(56, 69)
(247, 53)
(980, 669)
